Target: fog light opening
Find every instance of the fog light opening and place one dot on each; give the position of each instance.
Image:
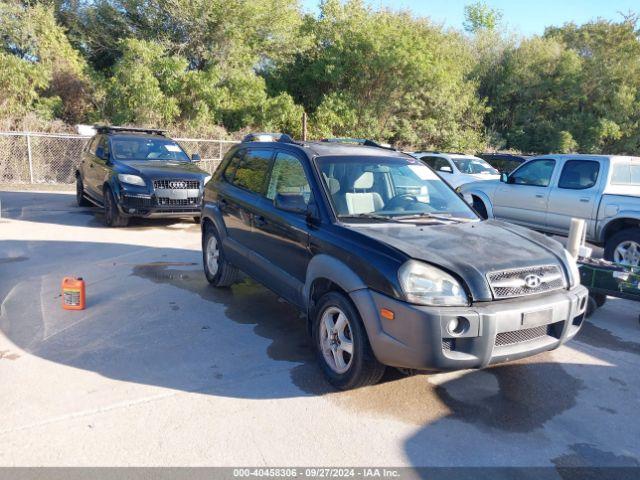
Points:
(457, 326)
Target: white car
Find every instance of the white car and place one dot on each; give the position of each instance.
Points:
(457, 168)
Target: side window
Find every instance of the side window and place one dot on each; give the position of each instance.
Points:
(536, 173)
(92, 144)
(579, 174)
(252, 170)
(288, 179)
(232, 166)
(625, 174)
(436, 162)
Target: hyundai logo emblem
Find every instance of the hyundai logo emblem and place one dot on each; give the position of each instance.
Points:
(177, 184)
(532, 281)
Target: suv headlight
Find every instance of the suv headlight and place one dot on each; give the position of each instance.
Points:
(574, 271)
(426, 285)
(206, 180)
(131, 179)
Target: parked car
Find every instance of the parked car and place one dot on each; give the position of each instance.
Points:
(135, 172)
(546, 192)
(457, 168)
(385, 277)
(504, 162)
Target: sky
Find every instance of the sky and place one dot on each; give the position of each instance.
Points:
(526, 17)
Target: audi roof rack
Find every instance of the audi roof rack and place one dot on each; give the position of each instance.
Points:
(359, 141)
(111, 128)
(269, 137)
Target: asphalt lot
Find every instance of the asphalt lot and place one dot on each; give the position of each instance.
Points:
(161, 369)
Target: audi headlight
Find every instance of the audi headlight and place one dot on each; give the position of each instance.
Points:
(573, 270)
(131, 179)
(426, 285)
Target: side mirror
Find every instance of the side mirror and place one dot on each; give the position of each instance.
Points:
(101, 154)
(290, 203)
(446, 169)
(195, 157)
(504, 177)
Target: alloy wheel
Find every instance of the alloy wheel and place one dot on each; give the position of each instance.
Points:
(336, 339)
(213, 255)
(627, 253)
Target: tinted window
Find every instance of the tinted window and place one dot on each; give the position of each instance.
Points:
(436, 162)
(537, 173)
(252, 170)
(104, 143)
(626, 174)
(232, 166)
(288, 178)
(579, 174)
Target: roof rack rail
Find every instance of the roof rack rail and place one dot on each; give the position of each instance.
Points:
(359, 141)
(111, 128)
(269, 137)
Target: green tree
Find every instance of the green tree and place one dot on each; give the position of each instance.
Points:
(479, 16)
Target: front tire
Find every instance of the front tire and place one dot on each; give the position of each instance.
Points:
(80, 200)
(219, 272)
(624, 247)
(112, 216)
(342, 346)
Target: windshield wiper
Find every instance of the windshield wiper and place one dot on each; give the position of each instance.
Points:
(434, 216)
(369, 216)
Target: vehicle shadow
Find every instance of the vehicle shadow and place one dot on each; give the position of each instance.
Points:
(60, 208)
(153, 319)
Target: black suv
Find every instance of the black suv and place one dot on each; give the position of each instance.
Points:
(389, 264)
(134, 172)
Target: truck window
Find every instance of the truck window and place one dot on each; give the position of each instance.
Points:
(535, 173)
(626, 174)
(436, 162)
(579, 174)
(288, 178)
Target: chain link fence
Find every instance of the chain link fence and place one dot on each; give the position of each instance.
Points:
(43, 158)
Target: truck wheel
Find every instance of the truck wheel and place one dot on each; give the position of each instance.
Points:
(599, 298)
(342, 345)
(80, 200)
(479, 206)
(219, 272)
(624, 247)
(112, 216)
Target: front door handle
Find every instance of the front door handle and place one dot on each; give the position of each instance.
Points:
(584, 200)
(223, 203)
(539, 195)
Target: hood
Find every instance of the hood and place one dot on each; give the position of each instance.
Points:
(470, 250)
(156, 169)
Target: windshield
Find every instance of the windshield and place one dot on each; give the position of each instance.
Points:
(474, 166)
(145, 148)
(388, 187)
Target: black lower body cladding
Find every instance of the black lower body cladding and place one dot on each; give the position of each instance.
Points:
(454, 338)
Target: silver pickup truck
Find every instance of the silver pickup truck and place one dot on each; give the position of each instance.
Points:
(546, 192)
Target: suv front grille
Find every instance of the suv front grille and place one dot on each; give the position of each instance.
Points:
(518, 282)
(193, 201)
(176, 184)
(526, 334)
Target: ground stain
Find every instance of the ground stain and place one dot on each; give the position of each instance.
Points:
(583, 455)
(525, 393)
(6, 355)
(602, 338)
(13, 259)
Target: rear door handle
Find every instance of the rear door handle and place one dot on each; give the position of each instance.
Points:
(539, 195)
(223, 203)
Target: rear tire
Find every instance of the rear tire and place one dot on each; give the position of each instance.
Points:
(80, 200)
(625, 243)
(219, 272)
(112, 216)
(342, 345)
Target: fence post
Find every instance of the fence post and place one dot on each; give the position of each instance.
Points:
(30, 158)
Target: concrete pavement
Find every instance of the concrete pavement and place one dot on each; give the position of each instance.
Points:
(162, 369)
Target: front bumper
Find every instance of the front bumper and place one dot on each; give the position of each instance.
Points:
(152, 206)
(498, 331)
